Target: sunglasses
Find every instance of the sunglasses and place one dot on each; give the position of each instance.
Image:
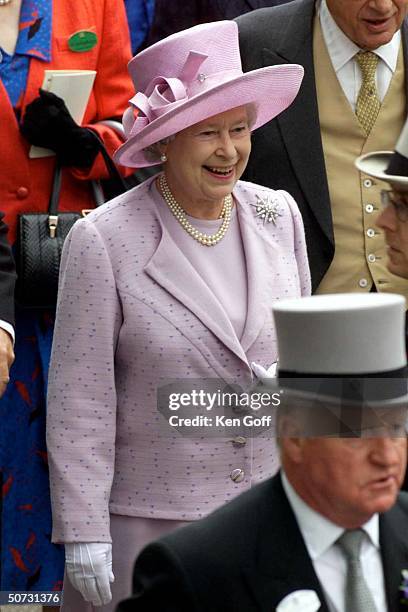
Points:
(398, 202)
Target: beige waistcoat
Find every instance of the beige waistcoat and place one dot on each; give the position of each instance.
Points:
(360, 254)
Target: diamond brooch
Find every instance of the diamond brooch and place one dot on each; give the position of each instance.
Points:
(267, 208)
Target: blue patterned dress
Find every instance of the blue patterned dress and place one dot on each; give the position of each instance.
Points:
(29, 560)
(140, 19)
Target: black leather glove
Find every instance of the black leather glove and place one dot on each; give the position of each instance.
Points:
(48, 123)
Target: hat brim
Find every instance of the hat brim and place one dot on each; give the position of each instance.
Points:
(375, 165)
(317, 417)
(271, 90)
(285, 387)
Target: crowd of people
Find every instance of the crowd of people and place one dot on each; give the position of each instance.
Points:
(264, 148)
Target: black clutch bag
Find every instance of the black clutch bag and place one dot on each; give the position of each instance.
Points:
(40, 240)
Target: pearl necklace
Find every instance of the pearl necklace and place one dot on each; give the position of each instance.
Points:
(178, 212)
(4, 2)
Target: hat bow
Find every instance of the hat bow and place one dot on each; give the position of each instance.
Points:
(162, 94)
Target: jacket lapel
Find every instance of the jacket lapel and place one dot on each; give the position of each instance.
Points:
(259, 272)
(394, 552)
(299, 124)
(404, 38)
(172, 270)
(282, 564)
(254, 4)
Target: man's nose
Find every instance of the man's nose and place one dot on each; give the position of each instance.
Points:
(387, 219)
(386, 450)
(382, 6)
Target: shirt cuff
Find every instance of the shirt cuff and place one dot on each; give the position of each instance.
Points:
(8, 328)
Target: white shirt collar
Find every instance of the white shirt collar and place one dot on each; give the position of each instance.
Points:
(341, 49)
(318, 532)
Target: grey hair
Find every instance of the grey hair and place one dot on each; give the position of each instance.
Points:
(153, 152)
(252, 111)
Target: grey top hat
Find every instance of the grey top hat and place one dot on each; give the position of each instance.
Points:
(389, 166)
(346, 346)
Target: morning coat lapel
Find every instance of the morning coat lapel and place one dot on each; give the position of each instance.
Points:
(172, 270)
(257, 4)
(259, 271)
(394, 552)
(404, 38)
(243, 6)
(281, 564)
(299, 124)
(253, 4)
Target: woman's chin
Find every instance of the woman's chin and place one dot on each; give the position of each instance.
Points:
(219, 192)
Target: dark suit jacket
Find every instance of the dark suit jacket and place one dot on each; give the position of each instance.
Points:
(246, 557)
(174, 15)
(287, 153)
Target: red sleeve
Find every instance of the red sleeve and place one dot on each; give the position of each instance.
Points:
(113, 87)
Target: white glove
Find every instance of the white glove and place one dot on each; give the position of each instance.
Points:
(89, 568)
(260, 371)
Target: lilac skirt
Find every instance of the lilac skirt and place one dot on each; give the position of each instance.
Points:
(129, 535)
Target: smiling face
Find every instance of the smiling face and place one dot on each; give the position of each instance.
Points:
(346, 480)
(368, 23)
(395, 229)
(205, 161)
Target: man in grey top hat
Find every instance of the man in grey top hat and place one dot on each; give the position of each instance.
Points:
(329, 532)
(392, 168)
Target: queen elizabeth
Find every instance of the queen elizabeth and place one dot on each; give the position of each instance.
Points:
(174, 279)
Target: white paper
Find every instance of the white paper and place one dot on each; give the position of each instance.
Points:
(74, 87)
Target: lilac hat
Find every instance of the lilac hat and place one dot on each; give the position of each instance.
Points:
(191, 76)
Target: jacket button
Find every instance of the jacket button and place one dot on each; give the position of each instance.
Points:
(237, 475)
(22, 193)
(239, 441)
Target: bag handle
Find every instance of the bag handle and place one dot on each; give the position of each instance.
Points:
(55, 190)
(114, 175)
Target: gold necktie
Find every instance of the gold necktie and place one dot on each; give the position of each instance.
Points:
(368, 104)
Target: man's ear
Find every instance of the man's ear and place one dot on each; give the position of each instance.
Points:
(292, 449)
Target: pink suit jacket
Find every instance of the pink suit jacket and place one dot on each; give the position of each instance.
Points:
(132, 311)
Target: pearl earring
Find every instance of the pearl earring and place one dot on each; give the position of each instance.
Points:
(163, 158)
